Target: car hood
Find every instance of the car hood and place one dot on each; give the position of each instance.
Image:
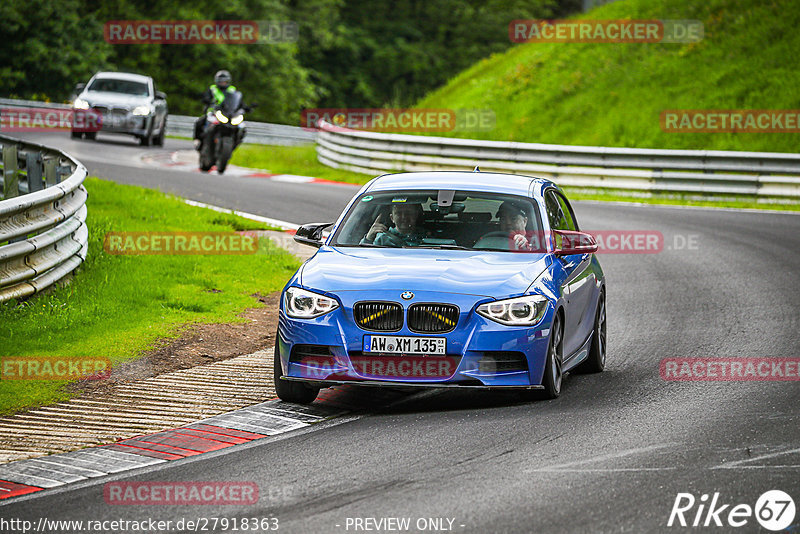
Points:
(482, 273)
(102, 98)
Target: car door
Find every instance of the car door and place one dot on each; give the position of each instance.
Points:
(579, 281)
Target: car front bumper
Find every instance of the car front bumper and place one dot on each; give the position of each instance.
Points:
(480, 353)
(128, 124)
(124, 122)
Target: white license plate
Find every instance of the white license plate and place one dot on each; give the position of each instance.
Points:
(113, 121)
(405, 344)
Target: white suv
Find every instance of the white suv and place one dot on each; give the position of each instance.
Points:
(128, 103)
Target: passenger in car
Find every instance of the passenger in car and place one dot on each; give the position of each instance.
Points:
(407, 230)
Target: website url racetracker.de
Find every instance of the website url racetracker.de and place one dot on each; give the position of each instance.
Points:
(123, 526)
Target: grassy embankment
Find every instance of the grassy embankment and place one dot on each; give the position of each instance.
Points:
(118, 306)
(604, 94)
(609, 94)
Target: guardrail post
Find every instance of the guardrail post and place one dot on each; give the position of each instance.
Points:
(62, 170)
(50, 177)
(10, 175)
(35, 171)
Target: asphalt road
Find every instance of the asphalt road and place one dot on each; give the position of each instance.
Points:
(119, 158)
(610, 455)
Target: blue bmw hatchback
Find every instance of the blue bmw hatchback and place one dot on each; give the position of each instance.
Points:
(444, 279)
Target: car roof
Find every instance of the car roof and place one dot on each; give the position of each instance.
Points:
(491, 182)
(123, 76)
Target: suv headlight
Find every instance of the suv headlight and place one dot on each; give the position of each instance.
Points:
(302, 304)
(80, 103)
(141, 110)
(519, 311)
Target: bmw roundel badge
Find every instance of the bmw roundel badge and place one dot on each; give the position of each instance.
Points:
(407, 295)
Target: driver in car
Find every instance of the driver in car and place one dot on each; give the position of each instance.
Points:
(514, 221)
(406, 231)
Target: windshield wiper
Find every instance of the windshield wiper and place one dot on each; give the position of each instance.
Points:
(443, 246)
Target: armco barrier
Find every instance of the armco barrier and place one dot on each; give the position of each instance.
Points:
(43, 233)
(261, 133)
(766, 174)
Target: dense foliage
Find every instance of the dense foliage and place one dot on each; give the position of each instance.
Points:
(355, 53)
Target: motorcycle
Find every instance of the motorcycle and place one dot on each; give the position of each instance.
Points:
(225, 130)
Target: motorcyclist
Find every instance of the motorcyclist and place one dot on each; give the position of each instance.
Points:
(213, 96)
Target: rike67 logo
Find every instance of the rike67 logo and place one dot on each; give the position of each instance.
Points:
(774, 511)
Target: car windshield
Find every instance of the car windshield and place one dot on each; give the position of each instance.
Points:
(112, 85)
(462, 220)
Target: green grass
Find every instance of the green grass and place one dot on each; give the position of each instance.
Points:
(605, 94)
(300, 160)
(119, 306)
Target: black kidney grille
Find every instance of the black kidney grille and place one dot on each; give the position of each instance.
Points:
(432, 318)
(379, 316)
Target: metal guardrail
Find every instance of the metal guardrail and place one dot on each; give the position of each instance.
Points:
(43, 232)
(768, 174)
(261, 133)
(32, 104)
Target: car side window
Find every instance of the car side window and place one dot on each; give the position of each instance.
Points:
(569, 215)
(555, 213)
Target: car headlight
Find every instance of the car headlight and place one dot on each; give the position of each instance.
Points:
(302, 304)
(80, 104)
(220, 117)
(237, 119)
(519, 311)
(141, 110)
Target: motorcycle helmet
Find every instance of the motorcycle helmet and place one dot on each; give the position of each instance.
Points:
(222, 79)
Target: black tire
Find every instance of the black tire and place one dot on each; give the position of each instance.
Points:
(90, 135)
(225, 151)
(553, 373)
(207, 155)
(147, 139)
(159, 139)
(596, 361)
(76, 135)
(296, 392)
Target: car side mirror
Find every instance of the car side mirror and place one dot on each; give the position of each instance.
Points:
(311, 234)
(567, 242)
(160, 95)
(79, 88)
